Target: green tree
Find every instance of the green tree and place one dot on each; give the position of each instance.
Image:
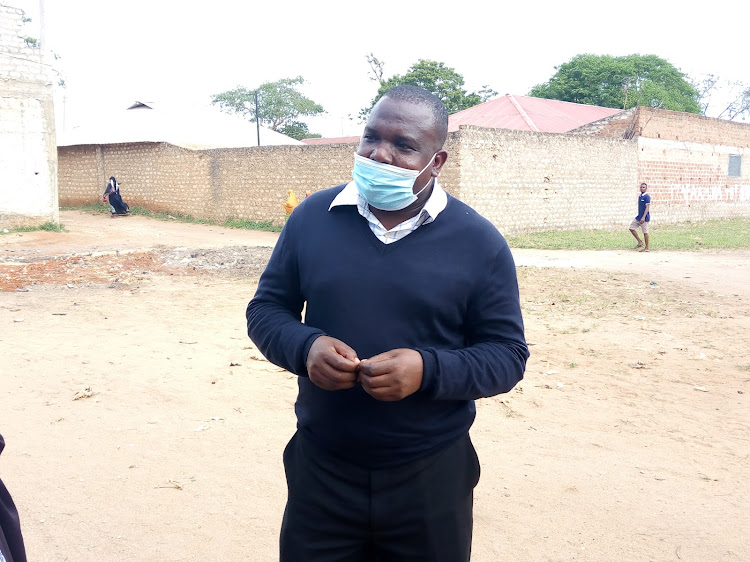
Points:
(298, 130)
(620, 82)
(435, 77)
(280, 104)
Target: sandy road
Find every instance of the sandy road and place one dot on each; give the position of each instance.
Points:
(627, 439)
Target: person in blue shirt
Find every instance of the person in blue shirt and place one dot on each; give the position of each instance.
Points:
(411, 312)
(642, 219)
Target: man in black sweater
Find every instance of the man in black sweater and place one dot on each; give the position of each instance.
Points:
(412, 313)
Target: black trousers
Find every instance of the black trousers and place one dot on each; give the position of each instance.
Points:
(340, 512)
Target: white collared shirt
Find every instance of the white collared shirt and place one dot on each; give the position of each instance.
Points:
(432, 208)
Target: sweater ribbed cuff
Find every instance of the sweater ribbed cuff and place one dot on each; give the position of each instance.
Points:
(306, 351)
(429, 368)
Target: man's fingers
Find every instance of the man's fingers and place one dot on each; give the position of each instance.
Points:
(393, 375)
(341, 363)
(333, 352)
(373, 383)
(375, 366)
(345, 351)
(331, 364)
(329, 378)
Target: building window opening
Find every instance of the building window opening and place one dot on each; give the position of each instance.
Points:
(735, 166)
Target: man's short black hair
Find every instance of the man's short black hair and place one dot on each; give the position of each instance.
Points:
(420, 96)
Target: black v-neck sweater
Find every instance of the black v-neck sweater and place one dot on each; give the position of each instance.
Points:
(447, 290)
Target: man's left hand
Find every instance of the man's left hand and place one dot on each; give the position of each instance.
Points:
(392, 375)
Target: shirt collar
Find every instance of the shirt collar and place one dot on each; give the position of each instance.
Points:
(436, 203)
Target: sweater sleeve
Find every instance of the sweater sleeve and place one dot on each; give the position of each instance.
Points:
(495, 355)
(274, 315)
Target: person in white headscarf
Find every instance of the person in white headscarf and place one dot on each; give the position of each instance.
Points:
(116, 205)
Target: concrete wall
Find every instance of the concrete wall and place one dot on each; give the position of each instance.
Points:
(28, 155)
(248, 183)
(521, 181)
(526, 181)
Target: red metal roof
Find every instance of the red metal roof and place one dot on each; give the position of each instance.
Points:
(521, 113)
(525, 113)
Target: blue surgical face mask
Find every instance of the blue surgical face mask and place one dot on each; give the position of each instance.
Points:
(386, 187)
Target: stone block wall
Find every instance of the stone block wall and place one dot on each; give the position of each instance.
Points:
(254, 182)
(450, 175)
(28, 155)
(249, 183)
(527, 181)
(520, 181)
(79, 178)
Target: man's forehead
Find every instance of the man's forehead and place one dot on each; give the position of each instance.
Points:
(405, 109)
(409, 117)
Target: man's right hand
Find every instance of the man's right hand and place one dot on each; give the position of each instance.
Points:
(331, 364)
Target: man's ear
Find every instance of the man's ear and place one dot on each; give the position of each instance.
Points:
(437, 164)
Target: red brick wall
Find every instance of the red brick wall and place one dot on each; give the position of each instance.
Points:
(690, 182)
(685, 159)
(679, 126)
(618, 126)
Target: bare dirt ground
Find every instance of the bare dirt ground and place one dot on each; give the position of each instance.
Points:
(141, 424)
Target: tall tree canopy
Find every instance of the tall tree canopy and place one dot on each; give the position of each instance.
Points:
(620, 82)
(435, 77)
(280, 105)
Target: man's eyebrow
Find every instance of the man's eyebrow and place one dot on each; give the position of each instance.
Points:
(407, 139)
(397, 139)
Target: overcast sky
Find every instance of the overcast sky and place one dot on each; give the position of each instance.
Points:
(177, 52)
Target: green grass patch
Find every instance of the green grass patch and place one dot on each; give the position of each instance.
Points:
(715, 234)
(48, 226)
(161, 215)
(88, 207)
(267, 226)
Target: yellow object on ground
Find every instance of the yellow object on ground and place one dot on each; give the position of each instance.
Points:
(291, 203)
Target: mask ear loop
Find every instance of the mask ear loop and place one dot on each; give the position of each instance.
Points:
(429, 180)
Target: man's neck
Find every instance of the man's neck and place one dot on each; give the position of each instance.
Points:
(391, 219)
